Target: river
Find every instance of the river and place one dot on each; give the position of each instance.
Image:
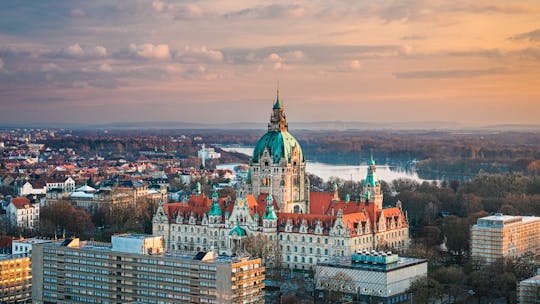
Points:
(355, 172)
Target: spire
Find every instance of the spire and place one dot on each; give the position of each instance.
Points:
(336, 193)
(278, 122)
(371, 162)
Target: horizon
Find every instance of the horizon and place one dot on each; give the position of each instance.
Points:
(219, 62)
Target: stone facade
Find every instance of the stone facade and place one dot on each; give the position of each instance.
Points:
(302, 227)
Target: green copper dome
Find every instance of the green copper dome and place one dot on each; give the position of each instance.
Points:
(238, 230)
(279, 144)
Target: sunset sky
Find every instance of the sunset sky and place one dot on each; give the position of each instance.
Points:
(472, 62)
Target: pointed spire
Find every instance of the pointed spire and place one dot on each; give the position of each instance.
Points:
(336, 193)
(278, 104)
(371, 162)
(278, 122)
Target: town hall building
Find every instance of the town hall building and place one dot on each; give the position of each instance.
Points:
(303, 227)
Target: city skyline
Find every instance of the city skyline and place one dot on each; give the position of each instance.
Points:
(220, 61)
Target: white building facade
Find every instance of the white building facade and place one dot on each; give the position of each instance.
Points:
(302, 228)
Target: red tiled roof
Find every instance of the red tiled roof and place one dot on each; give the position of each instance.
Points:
(20, 202)
(319, 202)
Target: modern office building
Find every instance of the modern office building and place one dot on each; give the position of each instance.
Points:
(135, 269)
(367, 277)
(529, 290)
(498, 236)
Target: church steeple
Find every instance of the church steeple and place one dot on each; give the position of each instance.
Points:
(278, 121)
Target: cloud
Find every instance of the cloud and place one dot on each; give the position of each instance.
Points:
(158, 6)
(50, 67)
(443, 74)
(531, 53)
(77, 12)
(531, 36)
(76, 51)
(199, 55)
(43, 100)
(274, 57)
(105, 67)
(150, 51)
(270, 12)
(188, 11)
(414, 37)
(355, 65)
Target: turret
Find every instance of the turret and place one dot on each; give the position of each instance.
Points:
(269, 218)
(215, 211)
(198, 189)
(371, 191)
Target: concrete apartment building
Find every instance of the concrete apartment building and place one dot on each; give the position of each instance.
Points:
(367, 277)
(15, 272)
(15, 278)
(498, 236)
(135, 269)
(528, 290)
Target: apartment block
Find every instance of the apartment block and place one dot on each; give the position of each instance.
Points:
(15, 272)
(529, 290)
(134, 268)
(498, 236)
(15, 278)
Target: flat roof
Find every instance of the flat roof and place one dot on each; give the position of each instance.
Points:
(34, 241)
(346, 262)
(176, 255)
(136, 236)
(4, 257)
(501, 220)
(534, 280)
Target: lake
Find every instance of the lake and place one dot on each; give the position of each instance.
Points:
(355, 172)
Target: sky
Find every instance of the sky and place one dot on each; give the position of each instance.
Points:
(93, 62)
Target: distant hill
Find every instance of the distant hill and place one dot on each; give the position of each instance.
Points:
(318, 125)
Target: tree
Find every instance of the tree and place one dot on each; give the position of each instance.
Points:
(260, 246)
(425, 290)
(61, 217)
(452, 279)
(456, 233)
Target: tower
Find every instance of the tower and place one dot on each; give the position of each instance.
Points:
(371, 190)
(278, 166)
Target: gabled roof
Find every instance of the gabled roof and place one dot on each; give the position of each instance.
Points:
(21, 202)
